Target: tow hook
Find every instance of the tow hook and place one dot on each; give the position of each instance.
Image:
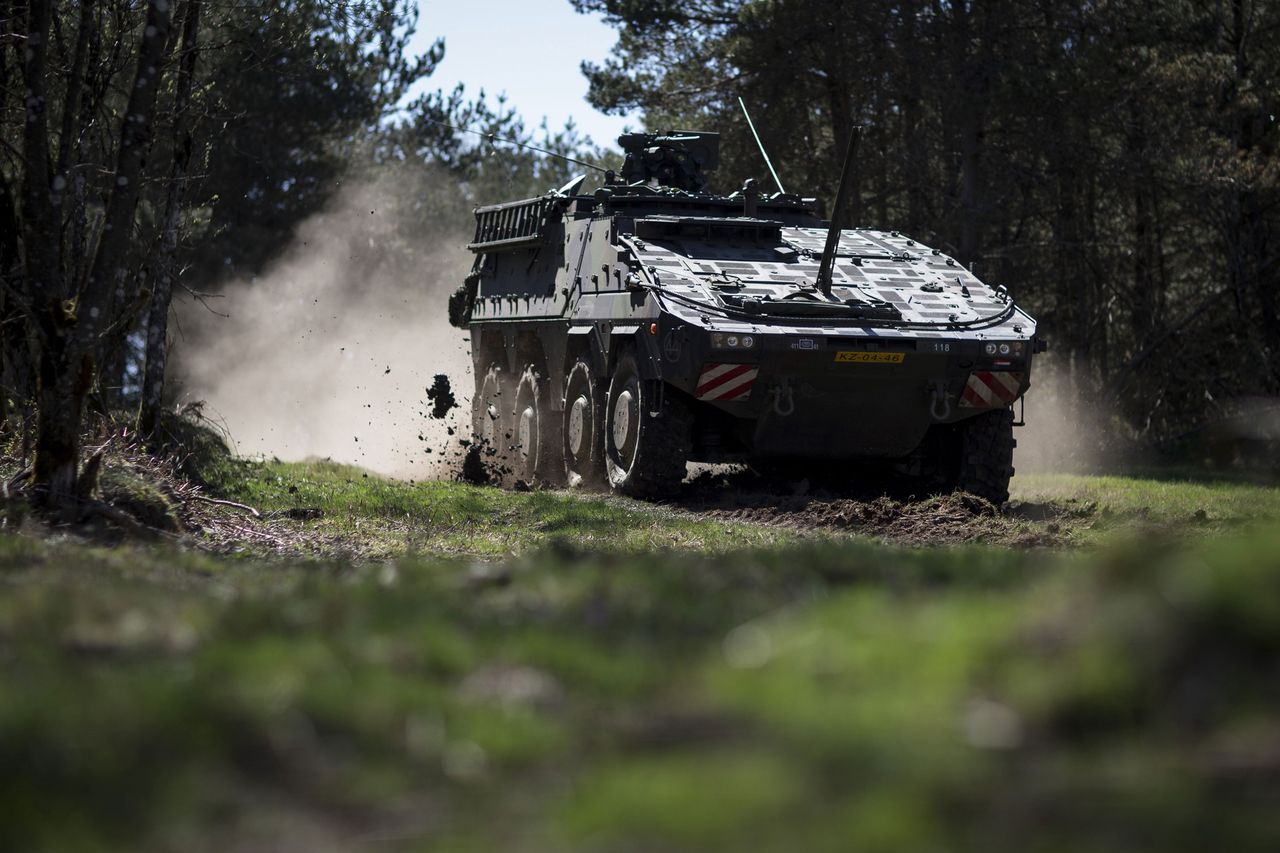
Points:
(784, 403)
(939, 402)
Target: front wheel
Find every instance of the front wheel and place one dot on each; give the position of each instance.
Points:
(647, 434)
(974, 455)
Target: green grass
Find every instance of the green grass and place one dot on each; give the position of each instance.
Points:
(371, 517)
(1095, 510)
(1223, 503)
(387, 517)
(545, 671)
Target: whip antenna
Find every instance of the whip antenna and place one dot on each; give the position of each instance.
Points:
(836, 225)
(763, 153)
(493, 138)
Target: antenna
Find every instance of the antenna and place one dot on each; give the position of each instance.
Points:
(763, 153)
(493, 138)
(837, 214)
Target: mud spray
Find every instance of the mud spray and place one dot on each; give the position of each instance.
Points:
(337, 350)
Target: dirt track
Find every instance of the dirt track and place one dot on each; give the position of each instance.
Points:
(884, 513)
(885, 508)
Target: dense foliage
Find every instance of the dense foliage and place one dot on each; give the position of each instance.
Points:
(167, 148)
(1115, 164)
(128, 126)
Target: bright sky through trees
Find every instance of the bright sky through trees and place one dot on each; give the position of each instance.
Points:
(530, 49)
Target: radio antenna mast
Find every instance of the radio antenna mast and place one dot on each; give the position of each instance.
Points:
(763, 153)
(493, 139)
(837, 223)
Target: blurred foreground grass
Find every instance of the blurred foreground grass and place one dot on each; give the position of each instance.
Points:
(636, 679)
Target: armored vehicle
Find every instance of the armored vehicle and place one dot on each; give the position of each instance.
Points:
(620, 334)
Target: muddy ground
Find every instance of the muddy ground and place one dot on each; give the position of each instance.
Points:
(889, 509)
(884, 511)
(883, 508)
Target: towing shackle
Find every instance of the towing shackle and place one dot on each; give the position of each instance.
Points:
(939, 401)
(784, 402)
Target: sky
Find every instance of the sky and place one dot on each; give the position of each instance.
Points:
(530, 49)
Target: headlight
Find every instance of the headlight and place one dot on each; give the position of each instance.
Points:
(719, 340)
(1014, 349)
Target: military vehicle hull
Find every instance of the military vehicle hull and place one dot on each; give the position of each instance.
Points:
(619, 335)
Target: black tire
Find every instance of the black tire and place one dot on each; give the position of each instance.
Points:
(975, 455)
(645, 452)
(535, 437)
(582, 428)
(491, 421)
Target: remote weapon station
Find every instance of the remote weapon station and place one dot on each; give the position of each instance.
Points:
(616, 336)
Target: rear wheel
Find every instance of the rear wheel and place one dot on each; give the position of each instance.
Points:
(491, 421)
(583, 428)
(535, 446)
(647, 434)
(974, 455)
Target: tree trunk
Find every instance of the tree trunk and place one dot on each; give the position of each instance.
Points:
(1252, 264)
(71, 326)
(76, 208)
(971, 74)
(62, 384)
(916, 173)
(15, 362)
(841, 135)
(56, 447)
(166, 264)
(882, 165)
(834, 62)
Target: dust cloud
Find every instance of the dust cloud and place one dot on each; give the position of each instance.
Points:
(331, 352)
(1067, 431)
(1073, 430)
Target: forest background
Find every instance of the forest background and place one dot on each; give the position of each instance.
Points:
(1114, 164)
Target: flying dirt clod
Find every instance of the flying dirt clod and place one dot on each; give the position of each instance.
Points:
(440, 395)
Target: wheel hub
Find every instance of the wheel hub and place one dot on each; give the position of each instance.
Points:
(525, 432)
(622, 425)
(577, 425)
(488, 426)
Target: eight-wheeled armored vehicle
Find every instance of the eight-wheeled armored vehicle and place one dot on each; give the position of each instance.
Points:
(620, 334)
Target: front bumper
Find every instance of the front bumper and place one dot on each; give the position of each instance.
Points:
(846, 397)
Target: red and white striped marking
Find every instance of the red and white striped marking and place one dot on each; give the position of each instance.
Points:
(989, 390)
(726, 381)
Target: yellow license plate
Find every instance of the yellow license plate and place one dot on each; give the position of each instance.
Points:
(871, 357)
